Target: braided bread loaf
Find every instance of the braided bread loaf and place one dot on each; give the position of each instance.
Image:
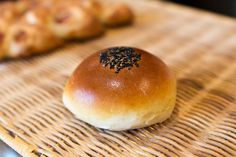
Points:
(30, 27)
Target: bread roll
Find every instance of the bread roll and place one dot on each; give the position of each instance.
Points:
(2, 52)
(92, 6)
(25, 39)
(116, 15)
(37, 16)
(71, 21)
(8, 14)
(30, 34)
(109, 14)
(121, 88)
(25, 5)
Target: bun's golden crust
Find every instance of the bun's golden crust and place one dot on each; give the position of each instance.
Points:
(130, 99)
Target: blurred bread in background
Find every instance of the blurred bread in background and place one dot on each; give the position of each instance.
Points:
(30, 27)
(70, 20)
(30, 34)
(8, 14)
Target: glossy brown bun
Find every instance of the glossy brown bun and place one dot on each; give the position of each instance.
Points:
(132, 98)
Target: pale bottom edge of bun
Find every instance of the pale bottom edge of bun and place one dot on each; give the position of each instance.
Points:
(125, 121)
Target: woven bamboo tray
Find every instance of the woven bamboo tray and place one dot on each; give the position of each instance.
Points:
(200, 47)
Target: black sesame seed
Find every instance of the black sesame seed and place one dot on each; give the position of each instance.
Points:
(119, 58)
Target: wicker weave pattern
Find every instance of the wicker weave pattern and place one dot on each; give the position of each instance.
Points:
(200, 47)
